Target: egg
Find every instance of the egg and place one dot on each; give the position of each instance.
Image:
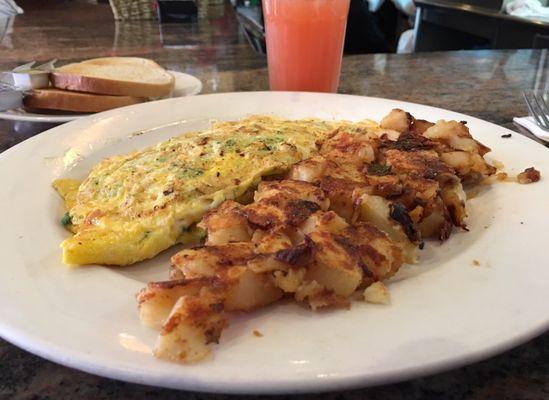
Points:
(131, 207)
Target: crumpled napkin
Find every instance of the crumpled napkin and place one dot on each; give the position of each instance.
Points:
(530, 124)
(527, 9)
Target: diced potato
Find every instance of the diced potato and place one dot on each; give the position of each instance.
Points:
(454, 199)
(249, 290)
(333, 267)
(157, 299)
(308, 289)
(376, 293)
(290, 190)
(397, 120)
(309, 170)
(207, 261)
(289, 280)
(342, 194)
(284, 203)
(328, 221)
(317, 296)
(351, 147)
(225, 224)
(375, 211)
(266, 263)
(435, 225)
(455, 134)
(380, 256)
(192, 325)
(529, 175)
(270, 241)
(360, 247)
(420, 125)
(296, 256)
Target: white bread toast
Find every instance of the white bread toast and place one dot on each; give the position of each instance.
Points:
(119, 76)
(55, 99)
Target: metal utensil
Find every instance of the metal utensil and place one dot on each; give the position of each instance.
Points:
(537, 105)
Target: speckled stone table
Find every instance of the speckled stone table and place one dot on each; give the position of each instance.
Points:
(485, 84)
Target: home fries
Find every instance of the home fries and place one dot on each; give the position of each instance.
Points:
(319, 211)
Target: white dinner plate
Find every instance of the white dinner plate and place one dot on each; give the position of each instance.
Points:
(445, 311)
(185, 85)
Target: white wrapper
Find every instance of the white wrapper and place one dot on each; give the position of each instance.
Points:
(10, 97)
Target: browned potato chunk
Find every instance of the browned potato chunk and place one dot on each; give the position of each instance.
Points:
(469, 166)
(342, 194)
(424, 164)
(454, 199)
(157, 299)
(353, 148)
(420, 125)
(317, 296)
(529, 175)
(380, 257)
(455, 135)
(376, 211)
(289, 280)
(284, 203)
(271, 241)
(249, 290)
(376, 293)
(328, 221)
(436, 225)
(309, 170)
(271, 192)
(333, 267)
(397, 120)
(193, 324)
(208, 261)
(226, 224)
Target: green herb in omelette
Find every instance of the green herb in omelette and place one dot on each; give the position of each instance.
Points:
(66, 220)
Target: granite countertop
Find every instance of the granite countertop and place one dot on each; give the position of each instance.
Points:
(484, 84)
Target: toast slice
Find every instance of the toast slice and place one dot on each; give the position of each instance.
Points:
(119, 76)
(55, 99)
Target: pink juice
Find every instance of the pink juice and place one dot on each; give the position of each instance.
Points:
(305, 43)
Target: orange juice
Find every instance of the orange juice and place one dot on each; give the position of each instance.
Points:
(305, 43)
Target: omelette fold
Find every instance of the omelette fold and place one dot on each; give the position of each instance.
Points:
(132, 207)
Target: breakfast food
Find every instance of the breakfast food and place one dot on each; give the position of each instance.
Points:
(119, 76)
(321, 212)
(101, 84)
(55, 99)
(529, 175)
(132, 207)
(332, 225)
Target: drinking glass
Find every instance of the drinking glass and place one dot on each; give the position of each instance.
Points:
(305, 43)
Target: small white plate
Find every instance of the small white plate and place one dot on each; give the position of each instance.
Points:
(445, 312)
(185, 85)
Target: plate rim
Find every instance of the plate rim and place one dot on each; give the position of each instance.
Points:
(324, 385)
(328, 384)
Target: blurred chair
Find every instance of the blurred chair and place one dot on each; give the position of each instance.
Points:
(132, 9)
(211, 8)
(136, 34)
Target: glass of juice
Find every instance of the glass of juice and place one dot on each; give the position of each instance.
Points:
(305, 43)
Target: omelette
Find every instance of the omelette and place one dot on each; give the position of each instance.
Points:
(131, 207)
